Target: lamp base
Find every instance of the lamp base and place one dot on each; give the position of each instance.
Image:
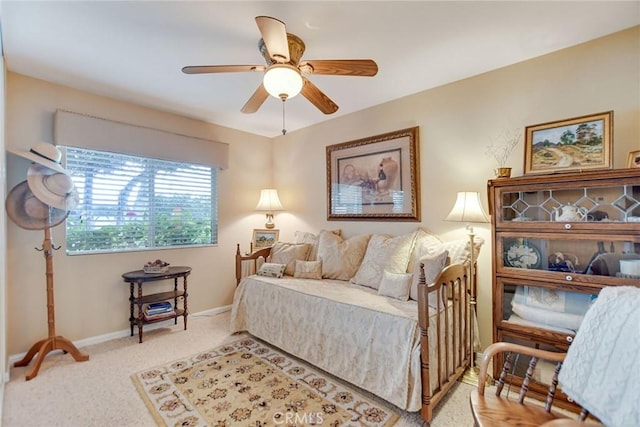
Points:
(269, 224)
(472, 376)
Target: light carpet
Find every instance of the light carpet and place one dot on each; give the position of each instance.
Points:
(100, 392)
(248, 382)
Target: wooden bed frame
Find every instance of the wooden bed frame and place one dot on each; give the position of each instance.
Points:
(454, 355)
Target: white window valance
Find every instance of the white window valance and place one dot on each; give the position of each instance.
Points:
(84, 131)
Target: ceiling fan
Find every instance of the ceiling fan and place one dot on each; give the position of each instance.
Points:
(283, 74)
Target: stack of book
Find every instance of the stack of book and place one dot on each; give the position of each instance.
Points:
(158, 310)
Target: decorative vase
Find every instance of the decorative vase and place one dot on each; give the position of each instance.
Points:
(503, 172)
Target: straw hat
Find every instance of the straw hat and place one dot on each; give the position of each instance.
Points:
(52, 188)
(24, 208)
(45, 154)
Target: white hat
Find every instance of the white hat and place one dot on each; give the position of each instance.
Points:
(45, 154)
(52, 188)
(24, 208)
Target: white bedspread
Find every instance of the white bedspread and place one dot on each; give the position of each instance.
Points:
(602, 367)
(373, 343)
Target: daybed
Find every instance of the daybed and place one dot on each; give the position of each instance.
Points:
(409, 352)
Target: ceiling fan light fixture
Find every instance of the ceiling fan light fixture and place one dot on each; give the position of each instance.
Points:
(282, 81)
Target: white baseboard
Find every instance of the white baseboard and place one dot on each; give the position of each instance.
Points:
(118, 334)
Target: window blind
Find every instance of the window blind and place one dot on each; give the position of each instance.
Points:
(130, 202)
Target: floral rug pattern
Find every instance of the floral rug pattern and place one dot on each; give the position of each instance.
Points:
(247, 383)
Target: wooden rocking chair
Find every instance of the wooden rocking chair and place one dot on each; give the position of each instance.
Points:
(495, 410)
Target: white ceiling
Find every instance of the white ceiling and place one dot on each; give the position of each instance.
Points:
(134, 50)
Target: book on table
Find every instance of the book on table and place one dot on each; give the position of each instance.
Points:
(158, 308)
(166, 315)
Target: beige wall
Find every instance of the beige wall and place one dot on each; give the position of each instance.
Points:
(91, 298)
(456, 123)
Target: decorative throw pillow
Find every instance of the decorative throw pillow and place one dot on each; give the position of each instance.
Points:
(384, 253)
(340, 258)
(312, 240)
(433, 265)
(425, 243)
(308, 270)
(395, 285)
(287, 254)
(270, 269)
(460, 250)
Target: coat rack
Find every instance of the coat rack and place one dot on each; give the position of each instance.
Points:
(52, 342)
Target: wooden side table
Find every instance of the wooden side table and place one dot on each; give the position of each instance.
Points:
(139, 277)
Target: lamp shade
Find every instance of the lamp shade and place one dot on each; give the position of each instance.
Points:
(269, 201)
(282, 81)
(467, 208)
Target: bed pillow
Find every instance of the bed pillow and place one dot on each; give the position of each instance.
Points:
(395, 285)
(308, 270)
(287, 254)
(433, 265)
(312, 240)
(269, 269)
(460, 250)
(340, 258)
(425, 243)
(384, 253)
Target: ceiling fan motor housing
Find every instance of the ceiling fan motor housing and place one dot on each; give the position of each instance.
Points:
(296, 50)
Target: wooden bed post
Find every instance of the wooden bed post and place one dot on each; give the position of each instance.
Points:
(238, 264)
(253, 257)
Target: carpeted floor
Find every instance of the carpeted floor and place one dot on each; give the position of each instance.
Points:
(100, 392)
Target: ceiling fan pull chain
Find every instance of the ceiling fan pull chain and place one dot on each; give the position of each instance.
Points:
(284, 131)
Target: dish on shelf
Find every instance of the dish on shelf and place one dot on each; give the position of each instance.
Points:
(522, 255)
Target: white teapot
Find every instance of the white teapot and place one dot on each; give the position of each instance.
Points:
(570, 213)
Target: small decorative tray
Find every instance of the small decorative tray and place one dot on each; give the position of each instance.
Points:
(156, 270)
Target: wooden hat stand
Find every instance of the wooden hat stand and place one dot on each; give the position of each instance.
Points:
(52, 342)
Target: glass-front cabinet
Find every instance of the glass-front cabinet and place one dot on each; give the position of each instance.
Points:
(557, 240)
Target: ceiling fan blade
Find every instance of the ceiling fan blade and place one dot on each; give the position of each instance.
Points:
(340, 67)
(204, 69)
(317, 98)
(274, 34)
(256, 100)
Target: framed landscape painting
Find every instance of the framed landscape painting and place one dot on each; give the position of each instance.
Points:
(374, 178)
(577, 144)
(264, 238)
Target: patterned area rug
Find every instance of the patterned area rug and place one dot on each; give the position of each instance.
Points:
(248, 383)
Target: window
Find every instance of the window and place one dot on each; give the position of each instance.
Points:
(135, 203)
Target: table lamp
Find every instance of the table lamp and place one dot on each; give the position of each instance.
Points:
(269, 202)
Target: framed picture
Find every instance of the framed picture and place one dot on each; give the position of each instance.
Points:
(633, 161)
(264, 238)
(577, 144)
(375, 178)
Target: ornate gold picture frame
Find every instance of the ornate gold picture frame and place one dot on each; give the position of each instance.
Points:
(375, 178)
(577, 144)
